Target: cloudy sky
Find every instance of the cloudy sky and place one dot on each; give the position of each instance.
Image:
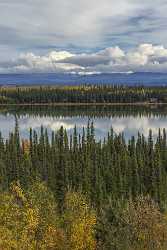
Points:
(83, 36)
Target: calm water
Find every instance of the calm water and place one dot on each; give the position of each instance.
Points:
(127, 120)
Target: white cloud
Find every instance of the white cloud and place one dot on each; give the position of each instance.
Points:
(51, 62)
(60, 55)
(146, 57)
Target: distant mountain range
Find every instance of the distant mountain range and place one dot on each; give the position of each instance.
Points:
(131, 79)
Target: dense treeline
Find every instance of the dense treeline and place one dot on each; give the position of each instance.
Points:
(124, 182)
(82, 94)
(98, 168)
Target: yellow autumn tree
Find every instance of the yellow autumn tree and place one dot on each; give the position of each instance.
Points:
(80, 221)
(50, 235)
(17, 220)
(29, 220)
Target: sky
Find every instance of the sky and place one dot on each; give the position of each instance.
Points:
(83, 36)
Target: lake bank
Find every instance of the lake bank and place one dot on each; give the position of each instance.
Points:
(85, 104)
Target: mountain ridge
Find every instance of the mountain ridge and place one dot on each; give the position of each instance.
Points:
(132, 79)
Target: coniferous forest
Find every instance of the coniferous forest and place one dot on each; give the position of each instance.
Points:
(78, 193)
(82, 94)
(83, 125)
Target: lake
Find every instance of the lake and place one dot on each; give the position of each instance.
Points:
(123, 119)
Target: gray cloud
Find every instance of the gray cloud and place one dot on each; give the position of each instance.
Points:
(143, 58)
(39, 25)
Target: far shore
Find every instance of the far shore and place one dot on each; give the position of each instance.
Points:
(84, 104)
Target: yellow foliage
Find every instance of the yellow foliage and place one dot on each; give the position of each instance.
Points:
(17, 191)
(81, 221)
(20, 222)
(26, 146)
(32, 218)
(29, 221)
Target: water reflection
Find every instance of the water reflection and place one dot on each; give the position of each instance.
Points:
(126, 121)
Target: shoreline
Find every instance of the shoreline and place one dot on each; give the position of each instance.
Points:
(84, 104)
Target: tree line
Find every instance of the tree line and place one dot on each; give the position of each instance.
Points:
(109, 167)
(124, 183)
(82, 94)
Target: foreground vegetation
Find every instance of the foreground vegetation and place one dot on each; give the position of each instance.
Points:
(78, 193)
(82, 94)
(30, 219)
